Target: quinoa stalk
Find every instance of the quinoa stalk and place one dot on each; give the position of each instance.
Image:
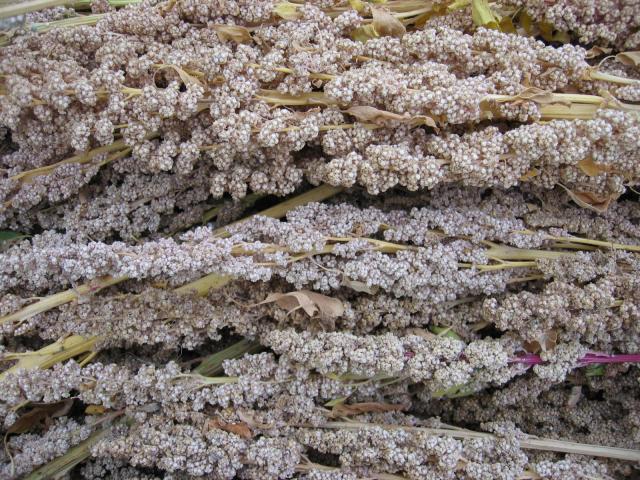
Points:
(201, 286)
(60, 351)
(529, 443)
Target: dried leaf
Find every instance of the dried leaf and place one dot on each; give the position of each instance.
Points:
(550, 34)
(364, 33)
(444, 332)
(482, 14)
(596, 51)
(287, 11)
(357, 5)
(574, 397)
(593, 169)
(241, 429)
(310, 302)
(343, 410)
(385, 24)
(359, 286)
(186, 78)
(529, 175)
(234, 33)
(545, 342)
(592, 201)
(629, 58)
(40, 415)
(95, 410)
(367, 114)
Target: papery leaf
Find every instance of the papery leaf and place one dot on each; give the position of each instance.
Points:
(186, 78)
(592, 201)
(357, 5)
(368, 114)
(344, 410)
(596, 51)
(385, 24)
(95, 410)
(482, 14)
(364, 33)
(310, 302)
(544, 342)
(335, 401)
(359, 286)
(529, 175)
(39, 415)
(575, 396)
(629, 58)
(550, 34)
(241, 429)
(593, 169)
(233, 33)
(287, 11)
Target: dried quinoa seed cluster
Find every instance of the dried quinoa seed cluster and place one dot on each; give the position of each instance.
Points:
(451, 294)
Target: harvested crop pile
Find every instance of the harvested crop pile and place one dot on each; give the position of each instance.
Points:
(324, 240)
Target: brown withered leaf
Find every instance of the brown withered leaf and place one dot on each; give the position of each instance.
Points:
(241, 429)
(539, 96)
(234, 33)
(591, 201)
(365, 113)
(385, 24)
(597, 51)
(544, 342)
(310, 302)
(629, 58)
(529, 175)
(576, 395)
(359, 286)
(593, 169)
(40, 415)
(344, 410)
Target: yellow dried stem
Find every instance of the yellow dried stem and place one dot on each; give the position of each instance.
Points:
(60, 351)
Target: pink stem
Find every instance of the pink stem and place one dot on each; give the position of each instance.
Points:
(530, 359)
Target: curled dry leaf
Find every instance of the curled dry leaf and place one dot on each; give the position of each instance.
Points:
(545, 342)
(592, 201)
(385, 24)
(186, 77)
(365, 113)
(241, 429)
(629, 58)
(359, 286)
(40, 415)
(593, 169)
(344, 410)
(576, 395)
(310, 302)
(596, 51)
(233, 33)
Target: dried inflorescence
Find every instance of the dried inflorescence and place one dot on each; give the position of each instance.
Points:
(478, 265)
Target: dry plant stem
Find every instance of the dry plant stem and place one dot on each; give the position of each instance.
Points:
(62, 465)
(18, 8)
(530, 442)
(57, 352)
(200, 286)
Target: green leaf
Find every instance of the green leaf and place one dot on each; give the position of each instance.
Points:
(6, 236)
(595, 370)
(444, 332)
